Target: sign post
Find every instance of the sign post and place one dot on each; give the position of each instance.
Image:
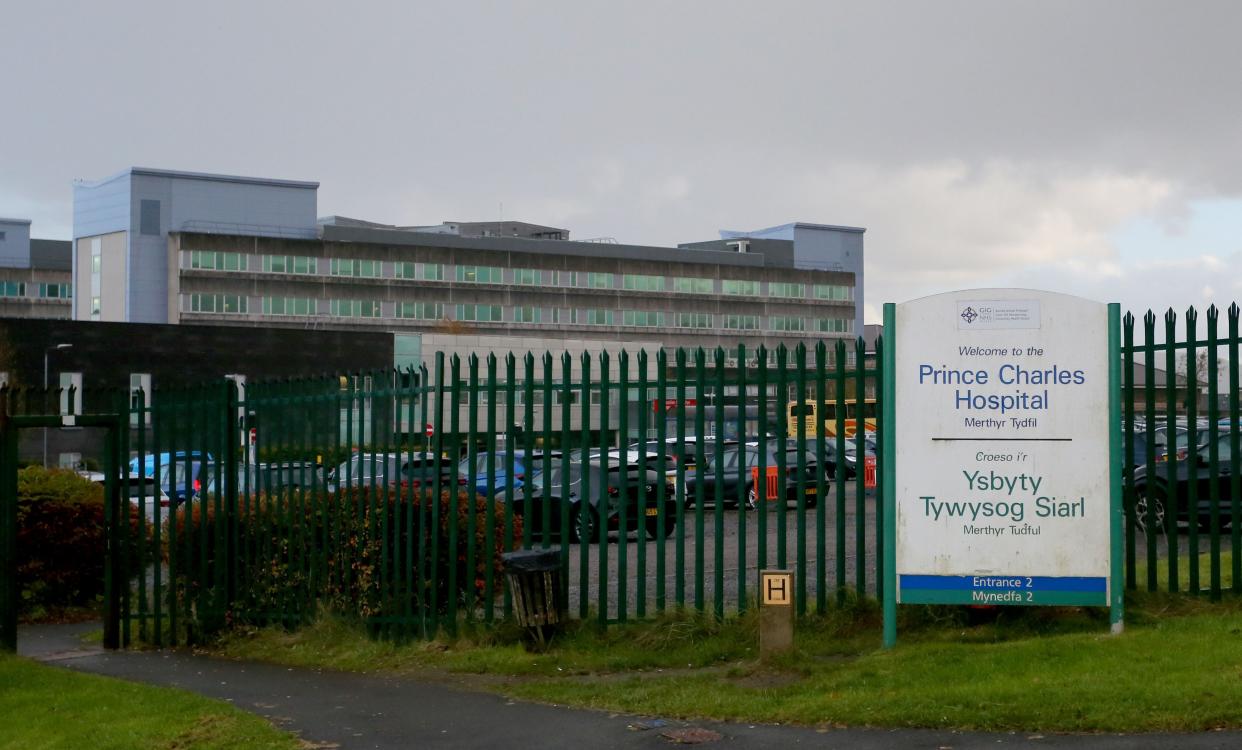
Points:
(775, 612)
(1007, 489)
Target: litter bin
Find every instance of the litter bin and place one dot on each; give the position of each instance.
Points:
(534, 577)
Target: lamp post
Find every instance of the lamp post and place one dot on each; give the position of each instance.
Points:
(46, 354)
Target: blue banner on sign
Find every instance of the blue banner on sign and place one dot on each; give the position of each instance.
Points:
(1005, 583)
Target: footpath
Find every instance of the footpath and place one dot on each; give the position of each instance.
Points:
(343, 710)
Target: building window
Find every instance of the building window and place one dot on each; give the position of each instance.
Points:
(480, 274)
(642, 318)
(433, 272)
(56, 291)
(289, 306)
(139, 397)
(786, 289)
(4, 379)
(149, 217)
(835, 325)
(689, 285)
(2, 236)
(640, 283)
(480, 313)
(214, 261)
(566, 278)
(742, 322)
(786, 323)
(354, 308)
(593, 317)
(694, 320)
(834, 292)
(71, 393)
(218, 303)
(404, 270)
(96, 276)
(599, 280)
(301, 264)
(420, 310)
(527, 314)
(527, 276)
(736, 286)
(13, 289)
(370, 269)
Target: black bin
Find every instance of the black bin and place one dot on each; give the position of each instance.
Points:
(534, 577)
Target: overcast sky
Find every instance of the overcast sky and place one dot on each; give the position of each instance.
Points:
(1087, 147)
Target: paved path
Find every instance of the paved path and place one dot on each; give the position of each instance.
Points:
(366, 711)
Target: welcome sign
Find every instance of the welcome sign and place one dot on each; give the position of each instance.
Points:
(1002, 476)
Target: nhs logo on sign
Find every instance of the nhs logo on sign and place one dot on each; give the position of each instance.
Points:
(993, 315)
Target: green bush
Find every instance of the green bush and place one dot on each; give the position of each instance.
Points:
(60, 539)
(298, 550)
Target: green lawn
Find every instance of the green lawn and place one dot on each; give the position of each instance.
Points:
(1178, 667)
(49, 707)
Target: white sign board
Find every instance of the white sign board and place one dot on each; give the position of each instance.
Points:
(1002, 486)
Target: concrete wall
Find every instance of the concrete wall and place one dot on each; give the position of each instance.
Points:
(112, 282)
(181, 199)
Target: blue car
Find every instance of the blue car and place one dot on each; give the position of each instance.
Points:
(477, 474)
(148, 463)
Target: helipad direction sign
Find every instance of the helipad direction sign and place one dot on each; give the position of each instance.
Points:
(1003, 488)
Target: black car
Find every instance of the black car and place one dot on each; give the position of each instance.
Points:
(598, 520)
(1156, 489)
(851, 457)
(736, 489)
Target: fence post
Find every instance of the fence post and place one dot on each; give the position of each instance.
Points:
(8, 528)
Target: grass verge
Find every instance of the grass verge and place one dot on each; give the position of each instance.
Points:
(1178, 667)
(48, 707)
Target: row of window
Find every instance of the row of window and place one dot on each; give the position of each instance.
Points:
(305, 264)
(42, 291)
(356, 308)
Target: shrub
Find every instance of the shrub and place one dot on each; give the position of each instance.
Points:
(60, 539)
(297, 550)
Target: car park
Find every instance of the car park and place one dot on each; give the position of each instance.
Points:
(624, 487)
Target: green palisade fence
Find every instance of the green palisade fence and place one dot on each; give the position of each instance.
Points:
(390, 495)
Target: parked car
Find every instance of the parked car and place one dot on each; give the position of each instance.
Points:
(599, 520)
(1156, 488)
(149, 460)
(737, 489)
(476, 474)
(850, 459)
(142, 492)
(406, 469)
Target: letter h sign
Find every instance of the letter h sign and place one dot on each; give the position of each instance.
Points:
(776, 587)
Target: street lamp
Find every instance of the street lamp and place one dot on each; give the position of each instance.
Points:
(46, 354)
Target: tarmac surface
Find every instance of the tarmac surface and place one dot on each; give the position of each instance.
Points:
(343, 710)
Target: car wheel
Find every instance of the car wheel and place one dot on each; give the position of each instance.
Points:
(1151, 501)
(670, 525)
(580, 529)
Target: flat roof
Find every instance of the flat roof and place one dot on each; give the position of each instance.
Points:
(206, 176)
(337, 233)
(797, 225)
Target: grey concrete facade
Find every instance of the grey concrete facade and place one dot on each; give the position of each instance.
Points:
(34, 274)
(147, 204)
(555, 291)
